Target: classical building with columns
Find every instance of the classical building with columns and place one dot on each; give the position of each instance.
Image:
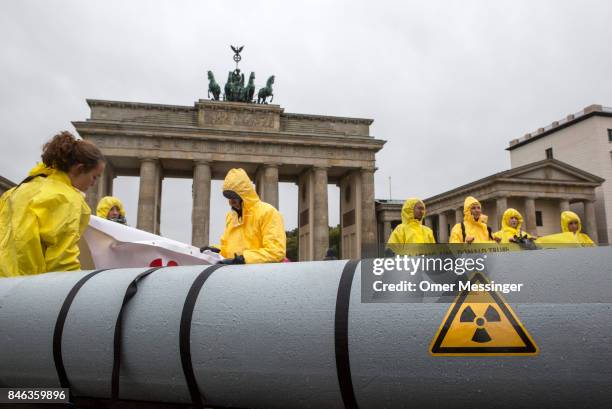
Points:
(5, 184)
(584, 140)
(566, 165)
(388, 216)
(539, 191)
(205, 140)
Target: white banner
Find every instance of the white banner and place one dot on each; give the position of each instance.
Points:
(108, 244)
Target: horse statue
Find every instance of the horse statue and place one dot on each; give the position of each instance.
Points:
(249, 91)
(213, 86)
(266, 92)
(227, 96)
(239, 91)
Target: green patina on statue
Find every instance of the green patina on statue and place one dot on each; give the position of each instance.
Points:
(266, 92)
(235, 90)
(213, 87)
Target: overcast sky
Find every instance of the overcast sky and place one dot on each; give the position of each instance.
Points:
(448, 83)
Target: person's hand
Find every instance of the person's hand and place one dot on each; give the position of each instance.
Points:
(213, 249)
(497, 239)
(469, 239)
(236, 260)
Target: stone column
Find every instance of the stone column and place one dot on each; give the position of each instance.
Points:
(258, 184)
(305, 216)
(350, 215)
(270, 185)
(109, 173)
(530, 216)
(590, 223)
(158, 194)
(386, 231)
(147, 196)
(442, 229)
(368, 214)
(501, 204)
(103, 187)
(459, 215)
(200, 213)
(320, 210)
(564, 205)
(91, 196)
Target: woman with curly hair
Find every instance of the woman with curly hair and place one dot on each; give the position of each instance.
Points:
(43, 218)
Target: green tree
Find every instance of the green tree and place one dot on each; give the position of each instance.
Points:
(334, 240)
(292, 244)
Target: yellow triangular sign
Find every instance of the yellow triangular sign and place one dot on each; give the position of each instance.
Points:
(481, 323)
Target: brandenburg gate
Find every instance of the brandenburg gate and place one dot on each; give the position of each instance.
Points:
(207, 139)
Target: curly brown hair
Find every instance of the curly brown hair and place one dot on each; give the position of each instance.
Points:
(64, 151)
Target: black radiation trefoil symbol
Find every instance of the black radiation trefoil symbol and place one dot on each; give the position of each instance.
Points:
(510, 336)
(480, 334)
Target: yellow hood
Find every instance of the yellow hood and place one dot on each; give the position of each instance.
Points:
(508, 214)
(107, 203)
(408, 211)
(238, 182)
(566, 218)
(41, 169)
(467, 204)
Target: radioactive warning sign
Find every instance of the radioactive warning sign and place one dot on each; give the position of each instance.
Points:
(481, 323)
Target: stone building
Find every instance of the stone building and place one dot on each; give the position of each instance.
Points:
(566, 165)
(539, 191)
(5, 184)
(583, 140)
(388, 216)
(204, 141)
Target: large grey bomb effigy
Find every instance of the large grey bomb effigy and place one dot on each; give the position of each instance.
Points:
(296, 335)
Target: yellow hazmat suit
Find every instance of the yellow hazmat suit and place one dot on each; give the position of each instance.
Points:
(567, 237)
(259, 235)
(41, 222)
(107, 203)
(508, 232)
(476, 229)
(411, 230)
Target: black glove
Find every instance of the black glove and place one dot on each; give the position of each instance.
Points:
(236, 260)
(119, 219)
(389, 253)
(213, 249)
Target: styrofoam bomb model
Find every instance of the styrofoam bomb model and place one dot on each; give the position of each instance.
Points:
(297, 335)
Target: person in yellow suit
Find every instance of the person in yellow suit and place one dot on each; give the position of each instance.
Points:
(511, 228)
(473, 229)
(571, 232)
(411, 230)
(43, 218)
(254, 230)
(111, 208)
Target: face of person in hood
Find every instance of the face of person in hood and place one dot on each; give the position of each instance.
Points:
(475, 210)
(418, 210)
(513, 222)
(113, 213)
(235, 204)
(573, 226)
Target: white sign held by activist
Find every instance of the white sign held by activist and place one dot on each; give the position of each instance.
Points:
(107, 244)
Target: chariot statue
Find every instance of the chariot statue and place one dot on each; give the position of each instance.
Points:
(235, 89)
